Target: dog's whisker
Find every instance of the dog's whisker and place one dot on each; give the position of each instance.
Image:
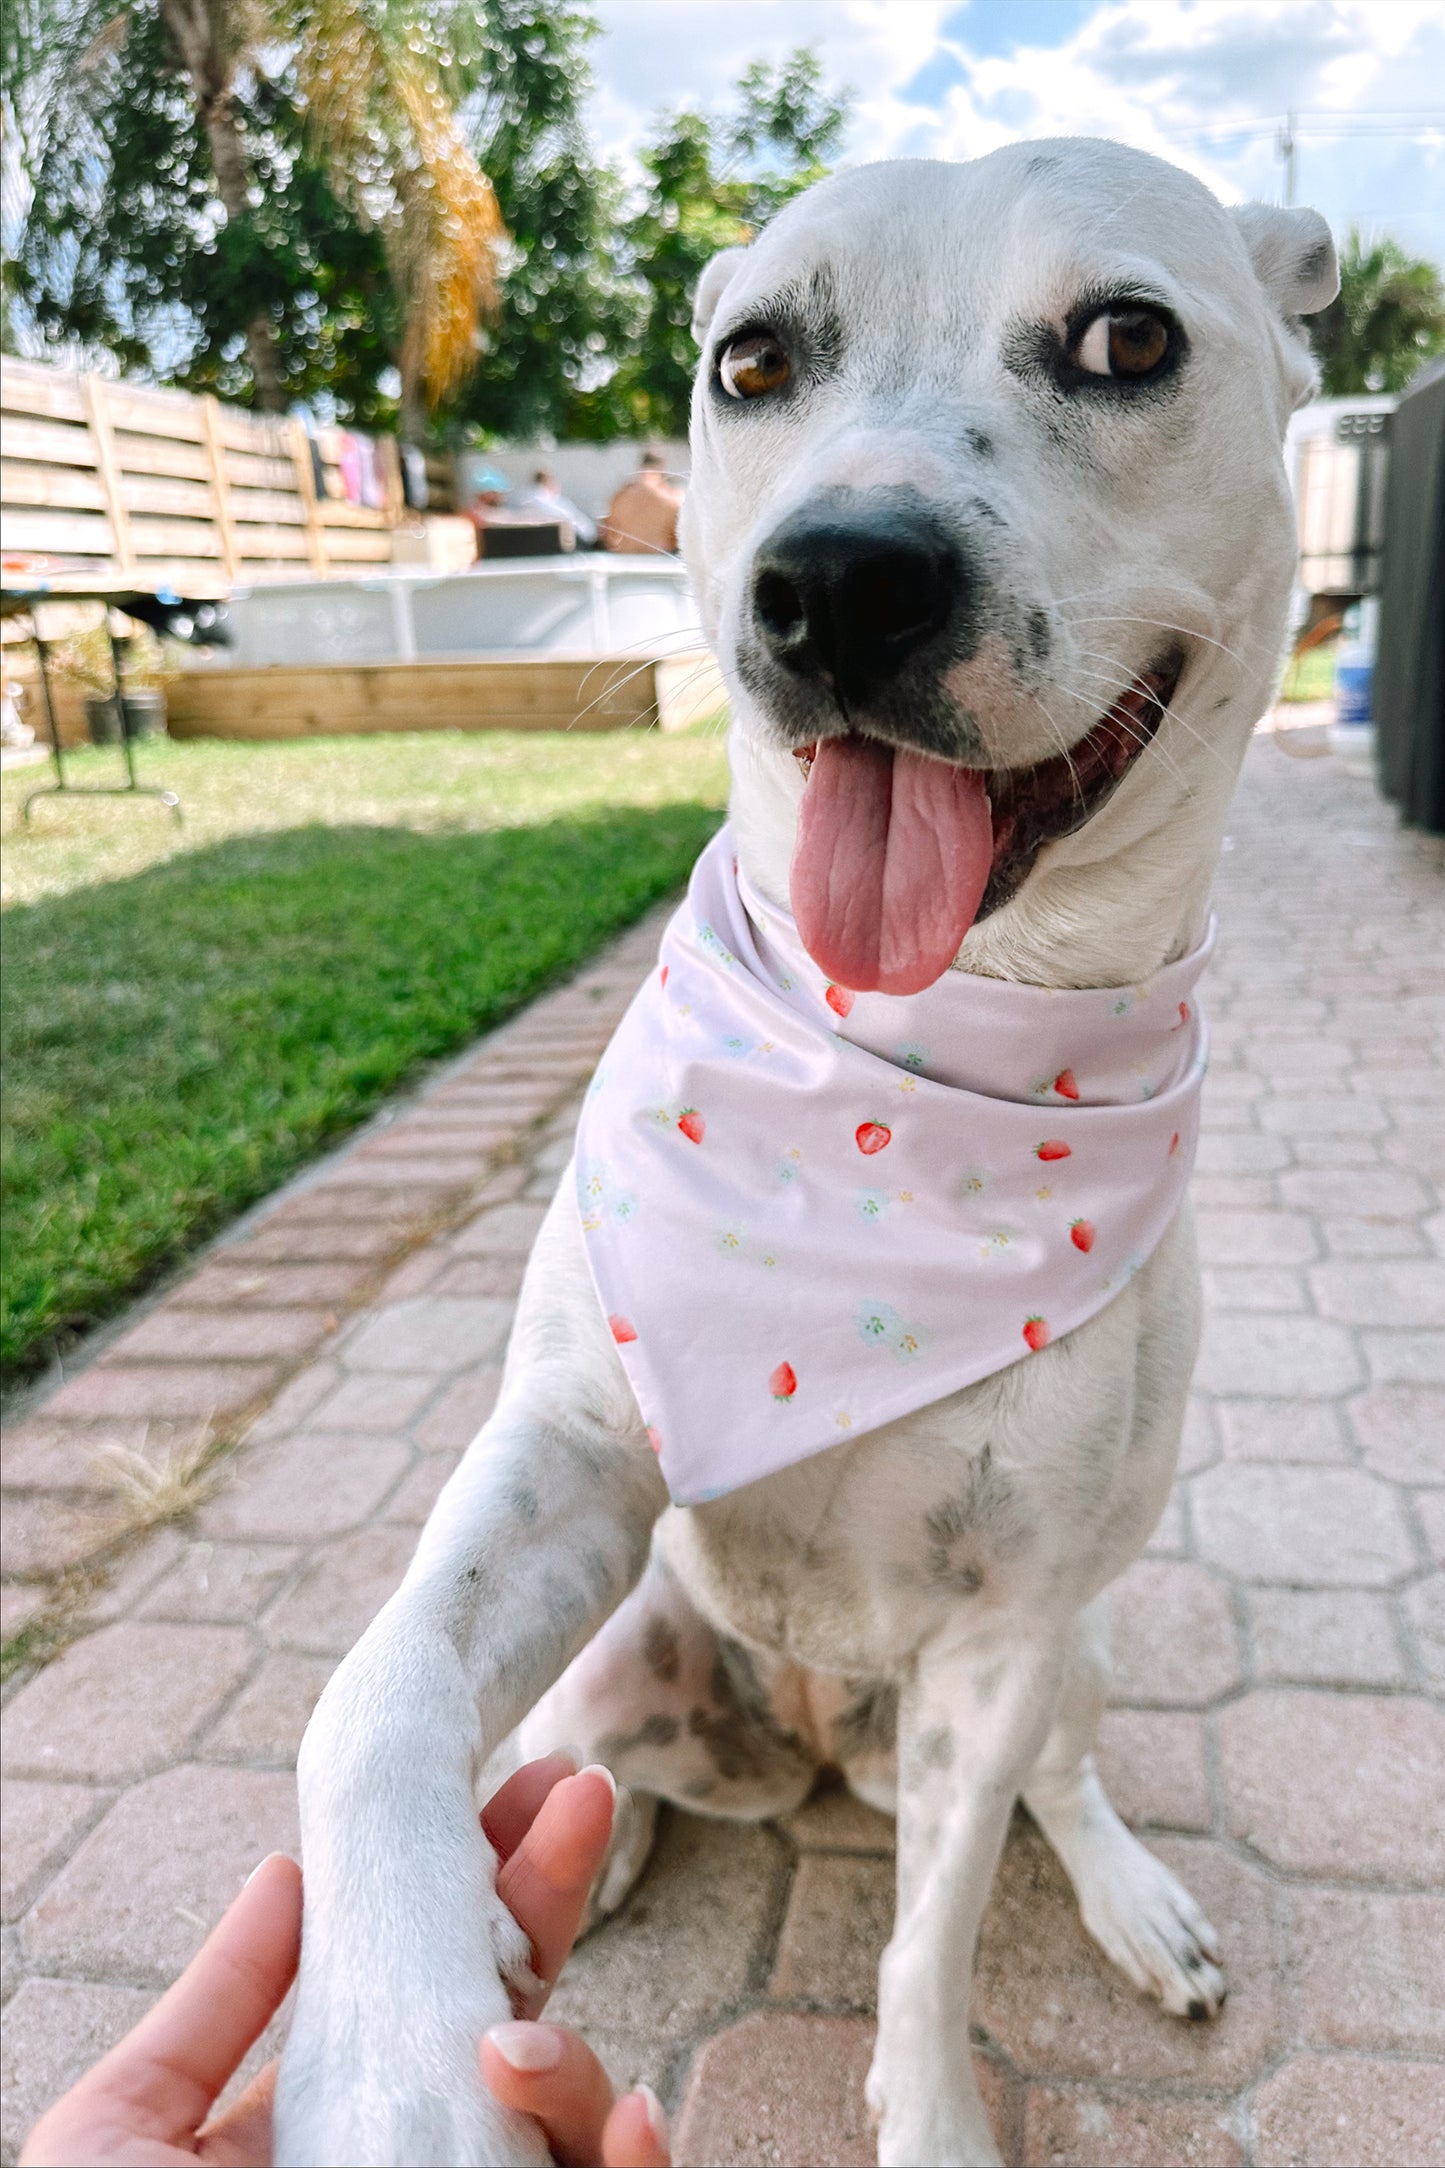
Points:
(1167, 711)
(1163, 625)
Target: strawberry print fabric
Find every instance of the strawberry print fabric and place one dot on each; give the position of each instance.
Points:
(809, 1211)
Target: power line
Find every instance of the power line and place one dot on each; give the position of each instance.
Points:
(1403, 123)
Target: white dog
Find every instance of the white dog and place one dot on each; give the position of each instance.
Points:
(987, 467)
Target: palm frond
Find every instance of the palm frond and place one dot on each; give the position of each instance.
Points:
(380, 115)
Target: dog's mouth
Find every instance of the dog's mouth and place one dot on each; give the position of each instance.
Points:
(899, 853)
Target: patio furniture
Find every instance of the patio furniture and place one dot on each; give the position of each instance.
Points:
(24, 600)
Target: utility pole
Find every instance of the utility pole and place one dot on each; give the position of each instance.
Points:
(1286, 144)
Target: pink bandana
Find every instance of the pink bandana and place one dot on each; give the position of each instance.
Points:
(809, 1211)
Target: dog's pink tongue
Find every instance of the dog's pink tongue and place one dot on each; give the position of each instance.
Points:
(892, 859)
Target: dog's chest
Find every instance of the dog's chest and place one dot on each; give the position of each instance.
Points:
(1028, 1492)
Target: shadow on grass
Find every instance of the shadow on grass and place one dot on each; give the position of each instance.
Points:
(177, 1043)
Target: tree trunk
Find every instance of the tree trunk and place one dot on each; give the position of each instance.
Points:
(411, 414)
(205, 41)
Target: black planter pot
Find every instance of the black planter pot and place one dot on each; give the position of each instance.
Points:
(143, 710)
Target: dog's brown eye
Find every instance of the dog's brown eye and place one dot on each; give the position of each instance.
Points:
(1122, 342)
(752, 365)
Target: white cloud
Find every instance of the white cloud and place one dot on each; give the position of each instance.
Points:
(656, 53)
(1189, 79)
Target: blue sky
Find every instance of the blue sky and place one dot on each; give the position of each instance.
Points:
(1204, 82)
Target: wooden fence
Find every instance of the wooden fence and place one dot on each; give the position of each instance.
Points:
(124, 482)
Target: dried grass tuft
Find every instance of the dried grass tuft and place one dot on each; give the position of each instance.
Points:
(151, 1489)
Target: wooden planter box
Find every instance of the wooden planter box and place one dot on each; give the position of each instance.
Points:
(565, 693)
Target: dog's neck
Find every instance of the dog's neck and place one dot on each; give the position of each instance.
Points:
(1105, 907)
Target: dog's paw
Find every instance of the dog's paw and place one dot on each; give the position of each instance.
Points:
(1150, 1926)
(512, 1955)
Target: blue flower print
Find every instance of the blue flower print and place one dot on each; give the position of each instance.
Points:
(709, 939)
(880, 1326)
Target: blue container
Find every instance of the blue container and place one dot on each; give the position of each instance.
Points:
(1354, 682)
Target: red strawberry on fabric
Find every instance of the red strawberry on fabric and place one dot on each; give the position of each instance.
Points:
(1066, 1084)
(872, 1136)
(623, 1330)
(1174, 1144)
(1053, 1148)
(1036, 1332)
(839, 1000)
(1081, 1234)
(1184, 1012)
(665, 969)
(690, 1122)
(784, 1382)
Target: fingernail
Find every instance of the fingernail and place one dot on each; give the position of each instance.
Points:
(656, 2120)
(600, 1769)
(259, 1865)
(526, 2047)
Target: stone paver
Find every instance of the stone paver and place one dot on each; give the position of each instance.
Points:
(1274, 1733)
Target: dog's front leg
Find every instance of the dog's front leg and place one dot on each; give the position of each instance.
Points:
(971, 1721)
(406, 1948)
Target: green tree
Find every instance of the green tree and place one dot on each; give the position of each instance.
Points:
(521, 83)
(126, 251)
(1386, 321)
(710, 185)
(251, 135)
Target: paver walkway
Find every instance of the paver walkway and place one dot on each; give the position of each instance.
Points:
(1278, 1649)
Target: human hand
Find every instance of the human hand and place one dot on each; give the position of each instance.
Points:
(147, 2103)
(550, 1831)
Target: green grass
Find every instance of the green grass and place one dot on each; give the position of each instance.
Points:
(189, 1015)
(1311, 676)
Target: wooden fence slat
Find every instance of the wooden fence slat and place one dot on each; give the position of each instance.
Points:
(220, 488)
(247, 471)
(67, 534)
(199, 579)
(266, 434)
(153, 455)
(53, 393)
(55, 441)
(53, 488)
(174, 537)
(155, 413)
(95, 390)
(282, 507)
(262, 542)
(178, 500)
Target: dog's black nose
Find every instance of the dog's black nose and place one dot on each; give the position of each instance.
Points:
(849, 592)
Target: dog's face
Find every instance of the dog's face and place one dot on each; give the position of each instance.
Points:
(986, 494)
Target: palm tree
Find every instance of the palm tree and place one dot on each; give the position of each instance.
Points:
(373, 82)
(1386, 321)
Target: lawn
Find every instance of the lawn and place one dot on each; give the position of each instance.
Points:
(1311, 676)
(188, 1015)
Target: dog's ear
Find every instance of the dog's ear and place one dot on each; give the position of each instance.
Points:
(1293, 254)
(715, 280)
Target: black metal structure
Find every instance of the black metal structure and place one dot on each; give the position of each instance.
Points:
(20, 601)
(1409, 685)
